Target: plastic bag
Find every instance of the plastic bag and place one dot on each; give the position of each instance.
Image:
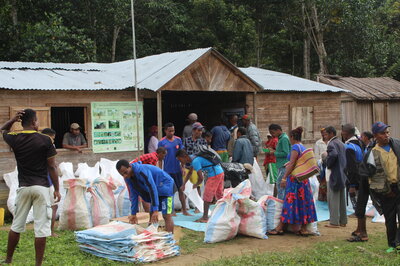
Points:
(123, 203)
(258, 184)
(67, 172)
(194, 196)
(84, 171)
(76, 211)
(104, 190)
(273, 210)
(252, 219)
(11, 180)
(224, 221)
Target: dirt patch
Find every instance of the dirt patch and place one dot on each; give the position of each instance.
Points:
(289, 242)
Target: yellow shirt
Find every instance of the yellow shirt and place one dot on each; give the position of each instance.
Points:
(390, 162)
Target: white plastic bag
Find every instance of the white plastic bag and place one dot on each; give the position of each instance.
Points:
(84, 171)
(67, 172)
(224, 221)
(252, 219)
(76, 211)
(12, 183)
(273, 211)
(258, 184)
(194, 196)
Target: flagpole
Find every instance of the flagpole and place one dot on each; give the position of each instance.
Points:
(135, 76)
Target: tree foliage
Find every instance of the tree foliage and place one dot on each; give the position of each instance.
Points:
(360, 37)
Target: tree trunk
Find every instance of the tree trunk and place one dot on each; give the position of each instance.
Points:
(319, 38)
(114, 42)
(14, 15)
(306, 48)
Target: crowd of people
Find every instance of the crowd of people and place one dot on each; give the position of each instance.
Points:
(355, 166)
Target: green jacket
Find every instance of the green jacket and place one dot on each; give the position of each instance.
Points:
(282, 150)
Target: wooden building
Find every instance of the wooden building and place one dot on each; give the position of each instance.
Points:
(368, 100)
(171, 85)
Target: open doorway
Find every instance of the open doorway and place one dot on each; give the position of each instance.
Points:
(209, 106)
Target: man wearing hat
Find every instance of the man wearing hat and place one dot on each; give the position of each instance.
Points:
(187, 130)
(252, 134)
(74, 139)
(195, 140)
(384, 181)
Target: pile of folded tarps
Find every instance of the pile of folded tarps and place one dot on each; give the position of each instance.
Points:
(126, 242)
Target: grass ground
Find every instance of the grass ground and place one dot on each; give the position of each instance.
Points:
(64, 250)
(323, 253)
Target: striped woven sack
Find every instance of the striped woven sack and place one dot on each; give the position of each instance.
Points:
(306, 165)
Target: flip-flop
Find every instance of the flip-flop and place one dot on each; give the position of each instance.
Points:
(355, 233)
(357, 239)
(275, 232)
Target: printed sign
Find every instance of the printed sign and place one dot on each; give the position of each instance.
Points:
(114, 126)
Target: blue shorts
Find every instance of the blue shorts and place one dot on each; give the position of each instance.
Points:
(178, 179)
(166, 205)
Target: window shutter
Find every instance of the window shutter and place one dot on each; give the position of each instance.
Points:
(42, 113)
(303, 116)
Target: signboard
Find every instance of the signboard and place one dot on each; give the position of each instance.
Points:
(114, 126)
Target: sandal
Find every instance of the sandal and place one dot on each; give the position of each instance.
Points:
(355, 233)
(275, 232)
(357, 239)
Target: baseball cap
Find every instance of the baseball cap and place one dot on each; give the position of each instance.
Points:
(75, 126)
(197, 125)
(246, 117)
(192, 116)
(379, 127)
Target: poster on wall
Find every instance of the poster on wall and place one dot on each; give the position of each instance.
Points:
(114, 126)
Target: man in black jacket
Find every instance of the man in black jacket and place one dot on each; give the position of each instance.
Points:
(336, 163)
(356, 186)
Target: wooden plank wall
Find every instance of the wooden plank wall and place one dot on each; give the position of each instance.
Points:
(274, 107)
(32, 98)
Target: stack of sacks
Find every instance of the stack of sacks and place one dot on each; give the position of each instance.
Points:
(126, 242)
(76, 210)
(234, 213)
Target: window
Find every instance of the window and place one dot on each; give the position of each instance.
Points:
(303, 116)
(63, 117)
(57, 118)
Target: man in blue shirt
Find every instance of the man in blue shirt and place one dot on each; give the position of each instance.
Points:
(220, 138)
(172, 166)
(153, 185)
(214, 187)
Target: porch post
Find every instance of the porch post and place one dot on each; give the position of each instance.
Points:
(255, 108)
(159, 114)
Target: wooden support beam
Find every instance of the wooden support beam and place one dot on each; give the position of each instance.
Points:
(159, 114)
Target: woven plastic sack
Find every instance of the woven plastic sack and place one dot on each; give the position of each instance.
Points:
(273, 210)
(224, 221)
(104, 189)
(11, 180)
(66, 170)
(252, 219)
(123, 203)
(76, 211)
(258, 184)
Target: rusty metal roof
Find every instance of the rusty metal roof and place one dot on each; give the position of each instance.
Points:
(382, 88)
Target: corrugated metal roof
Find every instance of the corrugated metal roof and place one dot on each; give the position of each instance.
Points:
(277, 81)
(382, 88)
(152, 73)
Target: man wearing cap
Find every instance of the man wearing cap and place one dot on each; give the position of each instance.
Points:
(187, 130)
(193, 142)
(384, 181)
(74, 139)
(252, 134)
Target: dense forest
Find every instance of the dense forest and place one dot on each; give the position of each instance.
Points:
(302, 37)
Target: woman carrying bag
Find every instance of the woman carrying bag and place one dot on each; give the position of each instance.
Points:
(298, 206)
